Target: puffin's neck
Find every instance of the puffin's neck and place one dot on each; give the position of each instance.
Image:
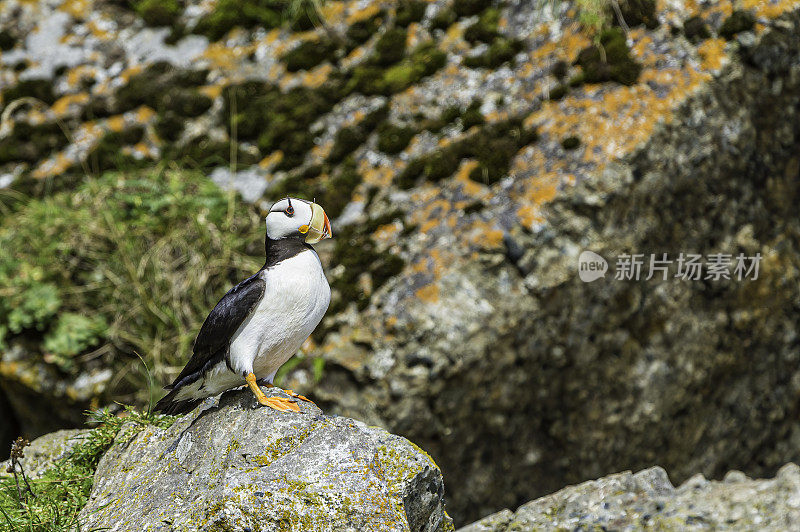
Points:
(282, 249)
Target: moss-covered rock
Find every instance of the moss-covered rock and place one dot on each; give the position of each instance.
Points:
(277, 120)
(500, 51)
(228, 14)
(393, 139)
(468, 8)
(485, 28)
(362, 30)
(609, 60)
(443, 19)
(309, 54)
(7, 40)
(29, 143)
(409, 11)
(254, 468)
(695, 29)
(635, 13)
(737, 22)
(570, 143)
(41, 89)
(390, 48)
(349, 138)
(158, 12)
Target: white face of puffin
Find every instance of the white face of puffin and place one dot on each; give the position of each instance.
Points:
(293, 217)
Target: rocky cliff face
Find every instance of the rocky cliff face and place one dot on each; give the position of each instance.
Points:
(469, 152)
(647, 500)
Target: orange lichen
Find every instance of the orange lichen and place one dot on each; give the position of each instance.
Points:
(367, 12)
(212, 91)
(713, 53)
(271, 160)
(144, 114)
(428, 294)
(62, 105)
(116, 123)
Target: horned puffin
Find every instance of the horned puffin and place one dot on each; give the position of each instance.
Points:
(262, 321)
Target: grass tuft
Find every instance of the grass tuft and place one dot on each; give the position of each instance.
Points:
(57, 496)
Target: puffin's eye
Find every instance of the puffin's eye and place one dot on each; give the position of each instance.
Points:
(289, 211)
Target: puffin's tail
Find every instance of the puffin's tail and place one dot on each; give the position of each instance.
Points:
(171, 406)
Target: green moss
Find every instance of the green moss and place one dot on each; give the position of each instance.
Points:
(7, 40)
(360, 32)
(41, 89)
(500, 51)
(558, 92)
(247, 14)
(158, 12)
(277, 120)
(309, 54)
(737, 22)
(468, 8)
(185, 102)
(635, 13)
(349, 138)
(485, 28)
(390, 48)
(108, 154)
(372, 79)
(169, 126)
(28, 143)
(494, 145)
(205, 153)
(560, 70)
(393, 139)
(443, 19)
(610, 60)
(472, 116)
(446, 117)
(695, 29)
(570, 143)
(409, 11)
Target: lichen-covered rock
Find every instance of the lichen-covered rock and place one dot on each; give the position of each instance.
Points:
(234, 465)
(647, 500)
(46, 450)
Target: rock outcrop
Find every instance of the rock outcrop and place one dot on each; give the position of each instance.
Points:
(472, 150)
(647, 500)
(233, 465)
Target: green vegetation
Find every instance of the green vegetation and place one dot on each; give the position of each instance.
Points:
(7, 41)
(309, 54)
(28, 143)
(609, 60)
(277, 120)
(570, 143)
(493, 146)
(247, 14)
(393, 139)
(468, 8)
(390, 48)
(142, 255)
(443, 19)
(108, 152)
(355, 249)
(349, 138)
(409, 11)
(158, 12)
(500, 51)
(695, 29)
(53, 501)
(485, 29)
(360, 32)
(737, 22)
(635, 13)
(41, 89)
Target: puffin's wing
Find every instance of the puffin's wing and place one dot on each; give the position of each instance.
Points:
(214, 338)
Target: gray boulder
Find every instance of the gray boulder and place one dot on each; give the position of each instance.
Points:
(647, 500)
(234, 465)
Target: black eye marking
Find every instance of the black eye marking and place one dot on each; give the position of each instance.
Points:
(289, 210)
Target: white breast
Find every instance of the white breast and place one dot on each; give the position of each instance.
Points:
(295, 299)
